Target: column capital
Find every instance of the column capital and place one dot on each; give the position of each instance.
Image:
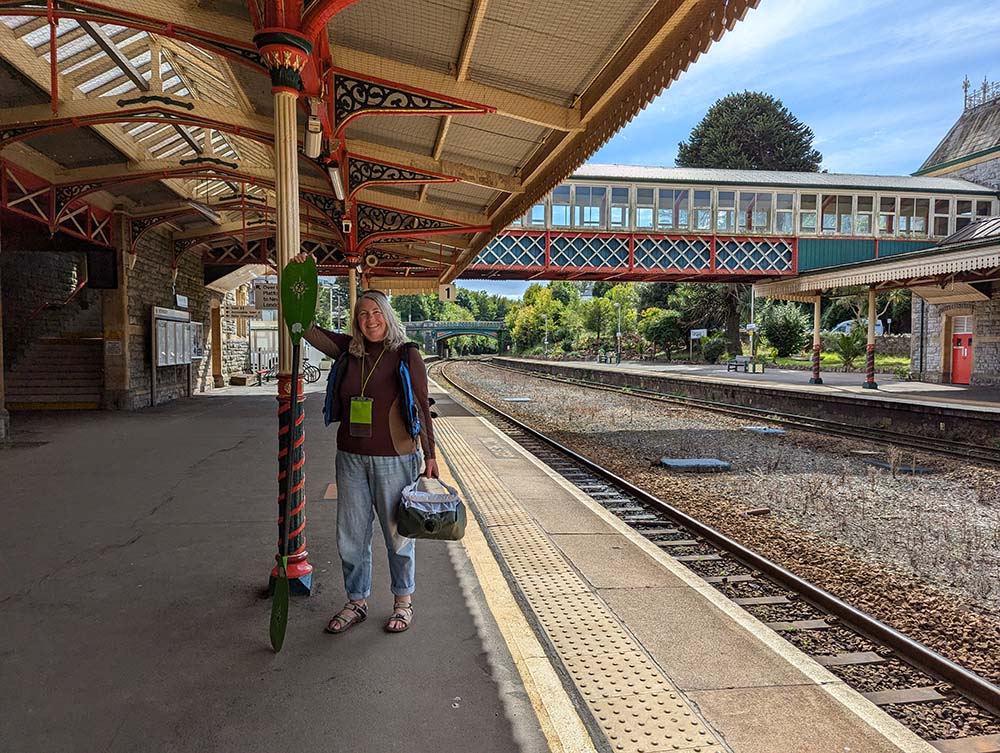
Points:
(286, 53)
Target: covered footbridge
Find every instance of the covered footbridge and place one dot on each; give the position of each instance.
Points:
(433, 335)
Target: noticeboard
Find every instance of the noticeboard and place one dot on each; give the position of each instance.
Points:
(172, 337)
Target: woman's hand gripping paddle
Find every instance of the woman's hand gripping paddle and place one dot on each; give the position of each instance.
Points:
(299, 288)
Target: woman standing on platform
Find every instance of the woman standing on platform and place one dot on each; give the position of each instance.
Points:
(378, 391)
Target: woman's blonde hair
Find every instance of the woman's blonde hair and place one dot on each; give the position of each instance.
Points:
(395, 334)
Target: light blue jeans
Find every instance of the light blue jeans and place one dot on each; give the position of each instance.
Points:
(370, 485)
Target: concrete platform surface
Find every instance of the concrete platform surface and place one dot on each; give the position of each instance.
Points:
(133, 618)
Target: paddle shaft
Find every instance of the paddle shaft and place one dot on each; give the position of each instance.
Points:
(289, 462)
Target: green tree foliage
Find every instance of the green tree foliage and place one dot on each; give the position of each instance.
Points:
(702, 306)
(661, 327)
(713, 347)
(786, 327)
(750, 131)
(747, 131)
(653, 294)
(598, 317)
(849, 346)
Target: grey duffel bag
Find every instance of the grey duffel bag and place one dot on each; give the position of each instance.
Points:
(430, 509)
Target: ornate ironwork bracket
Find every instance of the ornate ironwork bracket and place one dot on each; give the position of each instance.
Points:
(354, 96)
(364, 172)
(376, 221)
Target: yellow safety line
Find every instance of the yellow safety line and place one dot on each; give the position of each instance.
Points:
(555, 711)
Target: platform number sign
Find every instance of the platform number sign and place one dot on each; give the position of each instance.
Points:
(447, 293)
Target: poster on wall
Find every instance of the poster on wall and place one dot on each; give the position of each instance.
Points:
(161, 341)
(197, 341)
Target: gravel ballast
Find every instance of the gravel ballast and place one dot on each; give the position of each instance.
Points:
(921, 553)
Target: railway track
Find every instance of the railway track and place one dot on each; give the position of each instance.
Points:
(944, 703)
(939, 446)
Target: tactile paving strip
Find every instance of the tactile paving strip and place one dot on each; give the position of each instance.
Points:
(635, 704)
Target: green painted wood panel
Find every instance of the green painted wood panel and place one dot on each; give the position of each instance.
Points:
(817, 253)
(891, 248)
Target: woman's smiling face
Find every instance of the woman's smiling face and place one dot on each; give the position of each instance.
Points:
(371, 322)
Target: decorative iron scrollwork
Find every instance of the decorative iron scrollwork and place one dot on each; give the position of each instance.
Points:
(155, 98)
(374, 220)
(353, 97)
(210, 161)
(328, 205)
(361, 172)
(139, 225)
(65, 195)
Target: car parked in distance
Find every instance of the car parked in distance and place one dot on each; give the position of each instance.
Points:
(850, 324)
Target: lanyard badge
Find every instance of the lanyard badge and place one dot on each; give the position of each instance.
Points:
(361, 406)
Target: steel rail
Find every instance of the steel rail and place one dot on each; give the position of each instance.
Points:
(939, 446)
(968, 683)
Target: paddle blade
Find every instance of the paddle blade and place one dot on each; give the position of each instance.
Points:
(299, 292)
(279, 608)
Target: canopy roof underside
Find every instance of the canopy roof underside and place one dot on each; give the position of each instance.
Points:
(170, 115)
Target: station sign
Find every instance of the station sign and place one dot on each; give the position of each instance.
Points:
(241, 312)
(265, 295)
(697, 334)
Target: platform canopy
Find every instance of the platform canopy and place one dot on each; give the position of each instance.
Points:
(435, 124)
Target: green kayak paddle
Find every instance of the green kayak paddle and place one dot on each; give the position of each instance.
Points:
(299, 290)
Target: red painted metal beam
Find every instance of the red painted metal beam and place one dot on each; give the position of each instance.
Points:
(319, 14)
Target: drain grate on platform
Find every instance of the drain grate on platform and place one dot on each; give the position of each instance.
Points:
(636, 706)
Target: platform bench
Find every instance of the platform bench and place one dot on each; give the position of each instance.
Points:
(745, 364)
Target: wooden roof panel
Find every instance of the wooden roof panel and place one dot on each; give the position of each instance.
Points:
(551, 50)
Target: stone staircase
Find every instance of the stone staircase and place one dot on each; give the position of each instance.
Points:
(58, 373)
(64, 372)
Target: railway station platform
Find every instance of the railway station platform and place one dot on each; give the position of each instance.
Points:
(134, 617)
(951, 413)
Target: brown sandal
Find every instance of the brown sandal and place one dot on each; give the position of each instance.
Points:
(400, 613)
(350, 615)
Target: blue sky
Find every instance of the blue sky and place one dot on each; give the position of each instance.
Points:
(878, 81)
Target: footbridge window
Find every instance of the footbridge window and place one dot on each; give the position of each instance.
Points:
(784, 213)
(914, 216)
(725, 215)
(837, 215)
(589, 206)
(673, 209)
(887, 215)
(755, 212)
(863, 215)
(620, 215)
(702, 208)
(536, 215)
(807, 214)
(644, 208)
(561, 206)
(942, 213)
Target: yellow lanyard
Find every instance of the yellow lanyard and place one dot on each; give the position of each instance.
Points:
(364, 381)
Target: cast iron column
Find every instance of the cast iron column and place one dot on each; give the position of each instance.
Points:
(286, 54)
(870, 383)
(817, 345)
